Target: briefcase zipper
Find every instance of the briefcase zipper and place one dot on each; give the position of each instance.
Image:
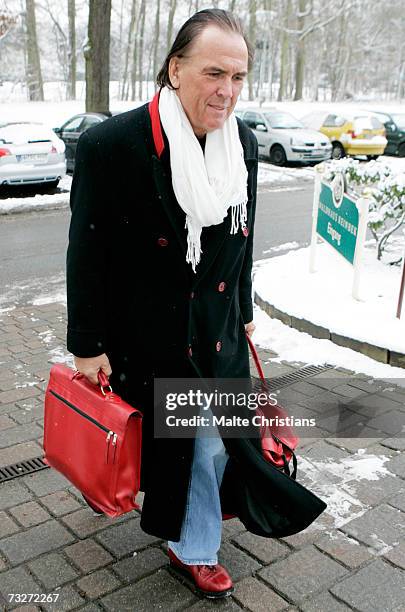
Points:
(111, 435)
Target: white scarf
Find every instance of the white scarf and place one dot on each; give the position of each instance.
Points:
(205, 183)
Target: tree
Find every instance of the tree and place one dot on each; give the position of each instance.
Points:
(170, 24)
(33, 65)
(97, 55)
(71, 89)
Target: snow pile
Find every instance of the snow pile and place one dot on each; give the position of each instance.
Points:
(26, 204)
(324, 297)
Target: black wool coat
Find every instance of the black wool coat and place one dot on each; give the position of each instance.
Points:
(131, 294)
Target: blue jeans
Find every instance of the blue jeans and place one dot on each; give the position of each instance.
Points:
(200, 537)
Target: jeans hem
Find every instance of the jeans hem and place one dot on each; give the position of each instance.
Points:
(193, 561)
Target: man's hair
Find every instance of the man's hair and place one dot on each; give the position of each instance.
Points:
(193, 28)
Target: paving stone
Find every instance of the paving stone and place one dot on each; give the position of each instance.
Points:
(353, 444)
(397, 465)
(373, 405)
(325, 602)
(52, 570)
(7, 525)
(232, 527)
(373, 588)
(97, 584)
(343, 420)
(28, 608)
(345, 549)
(12, 493)
(256, 596)
(379, 527)
(302, 574)
(30, 514)
(397, 555)
(88, 555)
(85, 522)
(34, 542)
(69, 599)
(6, 397)
(27, 415)
(45, 482)
(264, 549)
(125, 538)
(312, 533)
(237, 562)
(322, 451)
(17, 580)
(381, 489)
(147, 595)
(21, 433)
(60, 502)
(6, 422)
(396, 443)
(19, 452)
(138, 566)
(398, 501)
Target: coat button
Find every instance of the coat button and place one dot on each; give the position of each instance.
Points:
(221, 286)
(163, 242)
(192, 294)
(245, 231)
(189, 351)
(218, 346)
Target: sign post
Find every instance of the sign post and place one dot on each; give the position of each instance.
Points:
(341, 222)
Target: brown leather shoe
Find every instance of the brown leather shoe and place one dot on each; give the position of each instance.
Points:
(212, 581)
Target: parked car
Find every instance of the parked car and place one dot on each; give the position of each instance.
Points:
(282, 138)
(73, 128)
(350, 134)
(30, 153)
(394, 124)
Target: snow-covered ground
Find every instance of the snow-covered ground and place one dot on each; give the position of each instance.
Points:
(324, 298)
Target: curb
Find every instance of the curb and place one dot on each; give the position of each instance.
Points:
(31, 208)
(378, 353)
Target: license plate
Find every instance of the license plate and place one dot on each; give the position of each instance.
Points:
(36, 158)
(316, 151)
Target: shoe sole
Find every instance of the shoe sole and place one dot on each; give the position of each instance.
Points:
(208, 594)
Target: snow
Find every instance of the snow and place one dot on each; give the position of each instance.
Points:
(298, 347)
(26, 204)
(335, 482)
(324, 297)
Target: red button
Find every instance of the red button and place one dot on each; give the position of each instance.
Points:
(221, 286)
(162, 242)
(245, 231)
(190, 352)
(192, 294)
(218, 345)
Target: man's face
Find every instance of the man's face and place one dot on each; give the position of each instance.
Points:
(210, 77)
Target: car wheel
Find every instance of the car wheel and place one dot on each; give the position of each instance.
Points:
(372, 157)
(277, 155)
(337, 151)
(401, 150)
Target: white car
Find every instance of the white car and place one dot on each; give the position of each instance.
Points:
(282, 138)
(30, 153)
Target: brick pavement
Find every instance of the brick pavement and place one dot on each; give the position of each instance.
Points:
(352, 558)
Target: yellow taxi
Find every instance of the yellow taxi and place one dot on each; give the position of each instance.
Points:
(350, 134)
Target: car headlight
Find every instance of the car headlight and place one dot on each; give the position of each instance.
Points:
(297, 142)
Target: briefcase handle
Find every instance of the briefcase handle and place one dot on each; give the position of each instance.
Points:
(102, 379)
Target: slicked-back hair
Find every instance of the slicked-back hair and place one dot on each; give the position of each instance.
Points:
(225, 20)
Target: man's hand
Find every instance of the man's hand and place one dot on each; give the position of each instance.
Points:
(89, 366)
(250, 328)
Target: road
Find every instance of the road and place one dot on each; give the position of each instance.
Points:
(33, 245)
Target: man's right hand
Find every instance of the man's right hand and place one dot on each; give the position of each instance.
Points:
(89, 366)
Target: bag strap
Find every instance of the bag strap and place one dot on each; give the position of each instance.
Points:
(257, 363)
(156, 127)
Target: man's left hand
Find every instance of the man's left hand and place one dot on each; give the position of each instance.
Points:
(250, 328)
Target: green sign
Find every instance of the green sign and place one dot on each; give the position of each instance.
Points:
(338, 218)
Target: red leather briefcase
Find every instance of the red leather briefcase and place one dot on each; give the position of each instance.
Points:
(93, 437)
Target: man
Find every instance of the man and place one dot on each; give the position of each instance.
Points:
(159, 269)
